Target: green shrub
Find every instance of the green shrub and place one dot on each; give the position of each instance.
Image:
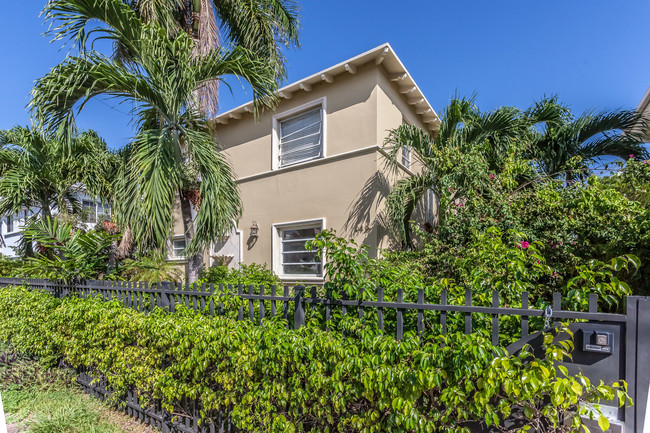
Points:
(279, 380)
(246, 275)
(9, 267)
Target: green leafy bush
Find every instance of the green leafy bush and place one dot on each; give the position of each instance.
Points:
(65, 253)
(246, 275)
(9, 267)
(277, 380)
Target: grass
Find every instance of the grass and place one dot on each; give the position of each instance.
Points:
(38, 400)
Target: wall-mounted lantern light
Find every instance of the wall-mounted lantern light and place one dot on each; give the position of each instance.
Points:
(254, 229)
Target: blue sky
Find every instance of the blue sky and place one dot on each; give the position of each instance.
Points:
(593, 54)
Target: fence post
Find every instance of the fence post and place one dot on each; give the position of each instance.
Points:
(299, 307)
(400, 315)
(637, 358)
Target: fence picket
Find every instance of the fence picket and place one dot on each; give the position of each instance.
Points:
(380, 310)
(211, 304)
(593, 303)
(240, 292)
(285, 314)
(361, 291)
(468, 316)
(400, 314)
(443, 313)
(261, 304)
(274, 291)
(420, 313)
(495, 319)
(251, 304)
(557, 305)
(524, 319)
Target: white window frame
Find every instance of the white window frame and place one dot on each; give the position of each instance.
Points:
(14, 224)
(83, 207)
(275, 154)
(172, 251)
(407, 156)
(276, 254)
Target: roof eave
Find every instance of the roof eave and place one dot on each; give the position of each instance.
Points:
(382, 55)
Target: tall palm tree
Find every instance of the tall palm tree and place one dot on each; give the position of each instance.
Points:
(265, 27)
(39, 172)
(567, 146)
(173, 134)
(463, 131)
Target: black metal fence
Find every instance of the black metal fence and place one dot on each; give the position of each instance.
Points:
(628, 359)
(266, 302)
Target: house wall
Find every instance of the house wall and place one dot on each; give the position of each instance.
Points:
(11, 239)
(351, 123)
(346, 188)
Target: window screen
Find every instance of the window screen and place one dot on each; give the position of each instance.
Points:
(301, 137)
(295, 258)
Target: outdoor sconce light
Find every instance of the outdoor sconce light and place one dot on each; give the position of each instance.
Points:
(254, 229)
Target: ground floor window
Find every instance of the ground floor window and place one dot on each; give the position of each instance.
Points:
(178, 245)
(295, 260)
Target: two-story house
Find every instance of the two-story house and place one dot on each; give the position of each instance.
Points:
(316, 162)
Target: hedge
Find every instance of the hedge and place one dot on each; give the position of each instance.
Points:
(276, 380)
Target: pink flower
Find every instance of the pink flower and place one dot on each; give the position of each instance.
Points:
(462, 205)
(523, 245)
(492, 176)
(631, 156)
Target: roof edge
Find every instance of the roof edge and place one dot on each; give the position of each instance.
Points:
(379, 54)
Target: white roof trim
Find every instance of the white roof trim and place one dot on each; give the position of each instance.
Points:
(383, 56)
(645, 101)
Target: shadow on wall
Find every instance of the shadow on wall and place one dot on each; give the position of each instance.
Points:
(366, 204)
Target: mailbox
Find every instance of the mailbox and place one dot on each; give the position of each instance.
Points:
(598, 341)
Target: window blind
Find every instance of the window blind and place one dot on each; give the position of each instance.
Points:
(301, 137)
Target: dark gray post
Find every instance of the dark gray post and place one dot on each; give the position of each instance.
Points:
(637, 359)
(495, 319)
(468, 316)
(380, 310)
(299, 307)
(240, 293)
(400, 315)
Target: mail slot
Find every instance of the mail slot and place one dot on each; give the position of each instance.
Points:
(598, 341)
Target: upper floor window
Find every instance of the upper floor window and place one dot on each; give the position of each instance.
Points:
(301, 137)
(406, 156)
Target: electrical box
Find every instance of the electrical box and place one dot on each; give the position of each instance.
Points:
(598, 341)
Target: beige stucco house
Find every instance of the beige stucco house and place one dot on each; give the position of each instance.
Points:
(644, 108)
(316, 162)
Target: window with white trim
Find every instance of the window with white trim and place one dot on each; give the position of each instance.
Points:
(301, 137)
(89, 211)
(178, 245)
(10, 223)
(406, 156)
(295, 260)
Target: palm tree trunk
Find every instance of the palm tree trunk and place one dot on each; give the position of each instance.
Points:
(195, 262)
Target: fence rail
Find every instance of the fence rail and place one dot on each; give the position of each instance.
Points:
(144, 297)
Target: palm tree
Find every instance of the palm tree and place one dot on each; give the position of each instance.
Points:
(160, 78)
(265, 27)
(568, 146)
(40, 173)
(463, 132)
